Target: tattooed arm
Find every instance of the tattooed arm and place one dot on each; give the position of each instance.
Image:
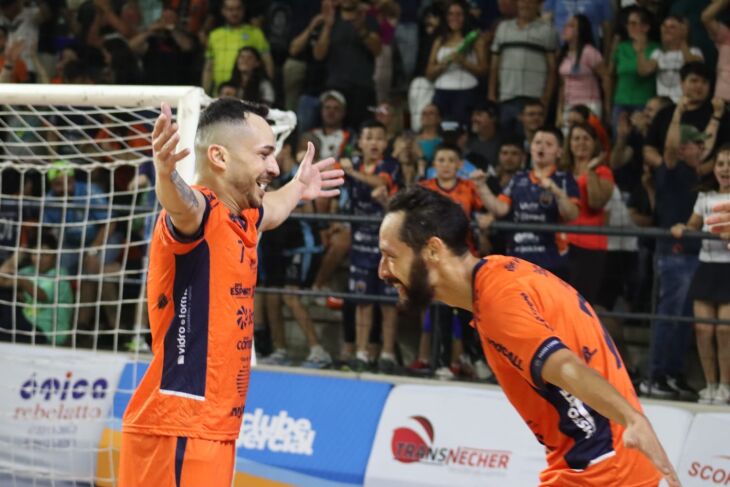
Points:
(184, 204)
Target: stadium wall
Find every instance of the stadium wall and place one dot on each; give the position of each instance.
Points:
(313, 429)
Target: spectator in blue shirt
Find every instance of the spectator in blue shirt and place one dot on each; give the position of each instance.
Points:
(80, 215)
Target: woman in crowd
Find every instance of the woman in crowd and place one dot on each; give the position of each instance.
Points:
(710, 287)
(582, 71)
(583, 158)
(455, 66)
(249, 76)
(631, 90)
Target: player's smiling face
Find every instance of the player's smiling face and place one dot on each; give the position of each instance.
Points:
(253, 166)
(402, 267)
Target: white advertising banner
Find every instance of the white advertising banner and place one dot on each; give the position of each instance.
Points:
(671, 425)
(706, 456)
(53, 407)
(432, 435)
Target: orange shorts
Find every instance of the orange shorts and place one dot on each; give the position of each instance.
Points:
(171, 461)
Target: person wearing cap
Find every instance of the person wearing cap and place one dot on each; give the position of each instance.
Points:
(80, 213)
(675, 181)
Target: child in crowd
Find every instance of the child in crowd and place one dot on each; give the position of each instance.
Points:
(42, 313)
(447, 163)
(710, 287)
(371, 179)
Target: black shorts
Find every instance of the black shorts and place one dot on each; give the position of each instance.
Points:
(711, 283)
(586, 271)
(366, 281)
(289, 255)
(619, 266)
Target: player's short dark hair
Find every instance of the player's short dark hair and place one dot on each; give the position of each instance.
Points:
(697, 68)
(429, 214)
(230, 110)
(549, 129)
(450, 146)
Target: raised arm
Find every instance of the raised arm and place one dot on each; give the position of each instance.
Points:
(565, 370)
(322, 46)
(599, 189)
(709, 15)
(495, 206)
(184, 204)
(310, 182)
(299, 43)
(671, 145)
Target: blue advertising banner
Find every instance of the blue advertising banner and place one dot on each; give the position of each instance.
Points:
(309, 430)
(297, 429)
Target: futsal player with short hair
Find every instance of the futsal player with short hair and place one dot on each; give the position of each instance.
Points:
(182, 422)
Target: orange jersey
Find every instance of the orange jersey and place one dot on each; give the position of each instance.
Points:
(464, 193)
(200, 302)
(523, 314)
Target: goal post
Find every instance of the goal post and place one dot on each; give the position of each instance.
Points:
(76, 169)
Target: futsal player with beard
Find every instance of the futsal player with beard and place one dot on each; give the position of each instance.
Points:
(544, 342)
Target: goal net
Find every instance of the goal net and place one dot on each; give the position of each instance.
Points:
(77, 209)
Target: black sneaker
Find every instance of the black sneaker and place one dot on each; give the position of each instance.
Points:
(358, 365)
(658, 389)
(386, 366)
(684, 391)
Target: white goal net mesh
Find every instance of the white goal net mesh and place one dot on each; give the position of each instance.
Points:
(77, 209)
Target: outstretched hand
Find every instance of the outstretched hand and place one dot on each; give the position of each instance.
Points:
(165, 137)
(318, 179)
(640, 435)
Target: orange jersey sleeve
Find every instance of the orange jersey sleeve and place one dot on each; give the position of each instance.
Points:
(523, 315)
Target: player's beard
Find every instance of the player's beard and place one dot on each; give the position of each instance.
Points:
(420, 292)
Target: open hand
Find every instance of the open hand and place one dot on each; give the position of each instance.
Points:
(165, 137)
(640, 435)
(318, 179)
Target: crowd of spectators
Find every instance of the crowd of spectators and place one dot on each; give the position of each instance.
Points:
(588, 113)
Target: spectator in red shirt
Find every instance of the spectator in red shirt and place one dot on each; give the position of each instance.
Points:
(585, 160)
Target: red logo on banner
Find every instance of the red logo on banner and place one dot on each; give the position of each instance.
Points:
(712, 474)
(411, 446)
(408, 444)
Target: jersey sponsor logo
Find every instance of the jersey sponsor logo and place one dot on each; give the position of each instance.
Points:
(588, 353)
(715, 473)
(162, 301)
(511, 357)
(245, 344)
(244, 317)
(415, 444)
(512, 265)
(240, 221)
(578, 414)
(242, 380)
(533, 310)
(278, 433)
(65, 388)
(238, 291)
(183, 326)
